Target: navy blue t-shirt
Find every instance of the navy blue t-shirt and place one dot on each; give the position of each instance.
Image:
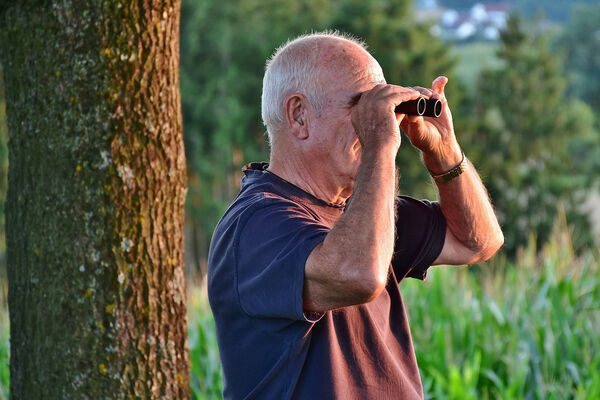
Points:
(270, 348)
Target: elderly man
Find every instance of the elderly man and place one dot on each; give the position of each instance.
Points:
(305, 264)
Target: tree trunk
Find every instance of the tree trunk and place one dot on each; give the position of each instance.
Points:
(95, 200)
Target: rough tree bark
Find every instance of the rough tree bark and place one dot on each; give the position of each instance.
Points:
(95, 200)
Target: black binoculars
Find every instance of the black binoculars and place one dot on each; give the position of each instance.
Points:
(422, 106)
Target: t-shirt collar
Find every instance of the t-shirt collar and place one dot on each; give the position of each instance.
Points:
(255, 170)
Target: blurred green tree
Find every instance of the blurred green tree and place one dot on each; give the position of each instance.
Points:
(524, 134)
(580, 42)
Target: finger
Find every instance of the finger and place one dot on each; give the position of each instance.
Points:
(414, 120)
(401, 90)
(424, 91)
(400, 118)
(394, 93)
(407, 95)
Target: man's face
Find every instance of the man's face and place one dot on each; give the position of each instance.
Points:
(336, 142)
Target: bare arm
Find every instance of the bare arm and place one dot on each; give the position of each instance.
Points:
(351, 265)
(473, 233)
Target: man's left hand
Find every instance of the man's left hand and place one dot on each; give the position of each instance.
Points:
(434, 136)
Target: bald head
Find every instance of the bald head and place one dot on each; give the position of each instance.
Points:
(304, 65)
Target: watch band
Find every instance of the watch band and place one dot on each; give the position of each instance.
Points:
(453, 173)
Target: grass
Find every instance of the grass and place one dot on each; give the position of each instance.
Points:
(206, 376)
(505, 330)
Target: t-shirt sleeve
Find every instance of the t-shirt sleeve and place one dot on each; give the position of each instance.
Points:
(420, 235)
(273, 245)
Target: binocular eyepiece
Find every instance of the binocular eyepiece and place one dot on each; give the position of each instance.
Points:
(422, 106)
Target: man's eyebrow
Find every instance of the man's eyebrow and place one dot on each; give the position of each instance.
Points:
(354, 100)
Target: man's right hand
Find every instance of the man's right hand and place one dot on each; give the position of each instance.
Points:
(374, 120)
(351, 266)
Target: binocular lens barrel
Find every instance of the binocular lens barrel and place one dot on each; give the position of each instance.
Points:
(421, 106)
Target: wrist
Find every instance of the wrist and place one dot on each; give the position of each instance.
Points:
(375, 163)
(441, 161)
(451, 173)
(380, 152)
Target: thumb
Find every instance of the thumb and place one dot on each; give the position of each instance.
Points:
(438, 84)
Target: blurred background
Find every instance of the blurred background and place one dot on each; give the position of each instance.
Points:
(524, 89)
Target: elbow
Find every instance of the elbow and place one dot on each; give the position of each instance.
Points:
(495, 244)
(332, 282)
(369, 291)
(368, 286)
(486, 250)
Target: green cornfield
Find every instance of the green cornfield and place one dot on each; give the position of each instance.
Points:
(524, 329)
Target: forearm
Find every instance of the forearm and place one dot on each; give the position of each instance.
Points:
(469, 214)
(351, 265)
(473, 232)
(365, 233)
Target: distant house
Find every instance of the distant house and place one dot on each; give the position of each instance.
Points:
(482, 21)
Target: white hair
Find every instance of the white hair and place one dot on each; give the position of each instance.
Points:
(294, 68)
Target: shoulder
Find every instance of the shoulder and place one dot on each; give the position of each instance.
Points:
(258, 206)
(260, 213)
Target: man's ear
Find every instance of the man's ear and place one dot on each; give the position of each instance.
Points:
(295, 115)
